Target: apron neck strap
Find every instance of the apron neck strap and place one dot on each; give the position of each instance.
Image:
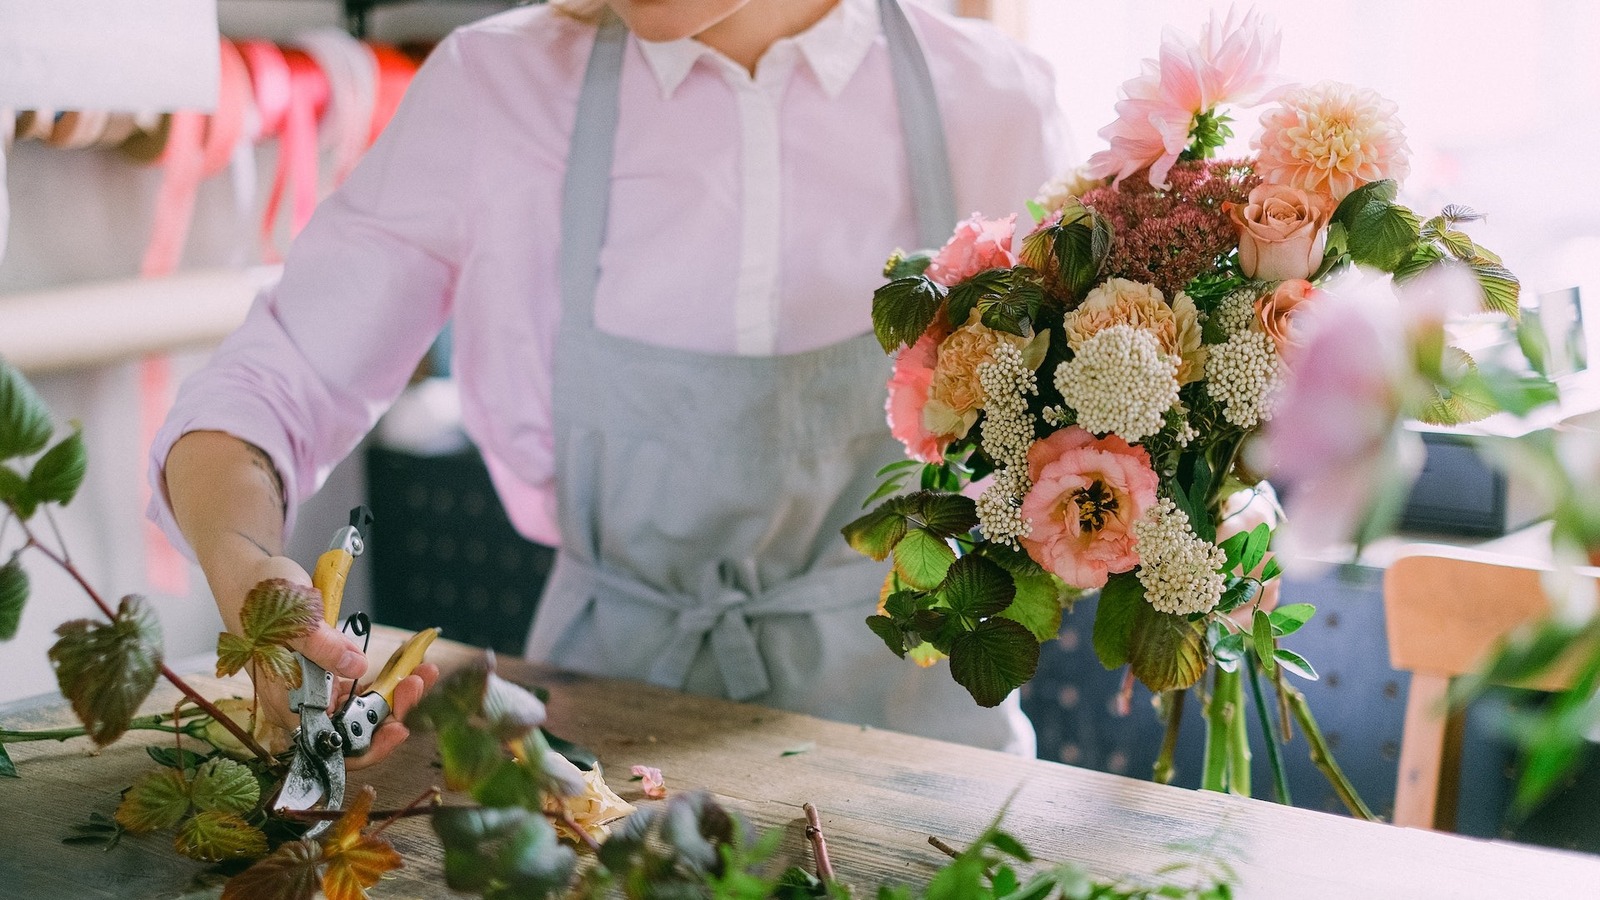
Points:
(586, 192)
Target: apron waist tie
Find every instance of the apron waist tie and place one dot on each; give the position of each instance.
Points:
(724, 611)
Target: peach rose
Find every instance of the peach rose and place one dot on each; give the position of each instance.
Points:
(1276, 311)
(1282, 232)
(977, 244)
(1087, 493)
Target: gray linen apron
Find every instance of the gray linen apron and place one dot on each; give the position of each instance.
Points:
(700, 496)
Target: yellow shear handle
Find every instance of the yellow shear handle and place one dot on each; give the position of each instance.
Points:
(402, 663)
(332, 567)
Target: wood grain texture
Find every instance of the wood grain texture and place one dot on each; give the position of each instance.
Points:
(1445, 609)
(880, 794)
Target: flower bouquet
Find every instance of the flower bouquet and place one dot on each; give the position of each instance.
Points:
(1080, 403)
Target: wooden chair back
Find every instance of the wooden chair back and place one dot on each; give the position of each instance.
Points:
(1445, 609)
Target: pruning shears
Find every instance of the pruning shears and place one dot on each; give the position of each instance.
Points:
(323, 739)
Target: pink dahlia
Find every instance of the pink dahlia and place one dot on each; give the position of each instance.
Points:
(1234, 61)
(1330, 139)
(977, 244)
(1087, 493)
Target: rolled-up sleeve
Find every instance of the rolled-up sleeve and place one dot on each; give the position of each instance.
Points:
(365, 288)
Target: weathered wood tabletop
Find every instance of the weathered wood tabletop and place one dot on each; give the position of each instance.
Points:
(880, 794)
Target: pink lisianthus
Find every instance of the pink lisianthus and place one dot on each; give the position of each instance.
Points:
(1087, 493)
(909, 388)
(1234, 61)
(977, 244)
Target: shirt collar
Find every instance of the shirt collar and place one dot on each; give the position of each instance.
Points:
(834, 48)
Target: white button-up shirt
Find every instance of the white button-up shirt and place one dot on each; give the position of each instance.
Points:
(749, 215)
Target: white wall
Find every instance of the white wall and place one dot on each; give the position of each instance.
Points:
(82, 216)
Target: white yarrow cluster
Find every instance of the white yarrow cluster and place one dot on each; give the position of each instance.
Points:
(1007, 384)
(1236, 312)
(1000, 507)
(1242, 374)
(1179, 571)
(1120, 382)
(1007, 434)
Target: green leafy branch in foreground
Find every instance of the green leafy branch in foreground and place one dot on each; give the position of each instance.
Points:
(107, 668)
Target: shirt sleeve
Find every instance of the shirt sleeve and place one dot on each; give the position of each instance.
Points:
(365, 288)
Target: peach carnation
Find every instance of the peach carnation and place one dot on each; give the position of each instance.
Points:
(1087, 493)
(1118, 301)
(1332, 138)
(955, 393)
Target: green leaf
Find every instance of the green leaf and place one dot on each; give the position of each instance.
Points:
(903, 309)
(1120, 601)
(892, 635)
(1383, 234)
(1233, 551)
(223, 785)
(469, 755)
(976, 589)
(1239, 592)
(1421, 258)
(506, 782)
(1271, 570)
(990, 284)
(106, 670)
(1288, 619)
(58, 474)
(1167, 652)
(156, 801)
(907, 265)
(175, 757)
(216, 836)
(1294, 662)
(1501, 289)
(1383, 191)
(993, 659)
(24, 419)
(1228, 650)
(1262, 639)
(876, 533)
(1037, 606)
(922, 559)
(13, 597)
(1456, 214)
(1255, 548)
(1457, 244)
(276, 613)
(945, 515)
(511, 852)
(8, 769)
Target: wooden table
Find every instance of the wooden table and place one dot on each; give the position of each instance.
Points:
(881, 795)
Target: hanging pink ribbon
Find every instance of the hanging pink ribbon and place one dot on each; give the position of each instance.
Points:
(297, 149)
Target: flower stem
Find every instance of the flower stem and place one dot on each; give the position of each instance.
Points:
(819, 844)
(210, 709)
(1219, 711)
(943, 847)
(1172, 709)
(1324, 758)
(157, 722)
(1239, 740)
(1280, 778)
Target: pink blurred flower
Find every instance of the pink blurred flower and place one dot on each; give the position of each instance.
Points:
(977, 244)
(1335, 440)
(654, 786)
(1086, 495)
(1234, 61)
(909, 388)
(1331, 138)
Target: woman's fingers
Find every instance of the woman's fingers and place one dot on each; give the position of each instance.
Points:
(392, 733)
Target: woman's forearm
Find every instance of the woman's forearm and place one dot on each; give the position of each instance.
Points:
(227, 498)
